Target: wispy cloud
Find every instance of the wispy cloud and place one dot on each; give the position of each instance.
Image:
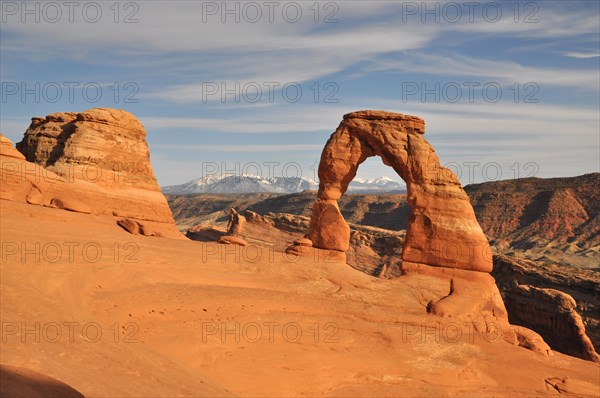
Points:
(545, 19)
(582, 55)
(506, 72)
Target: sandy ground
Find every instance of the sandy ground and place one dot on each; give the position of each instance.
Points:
(112, 314)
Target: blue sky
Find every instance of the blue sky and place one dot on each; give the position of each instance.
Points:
(506, 88)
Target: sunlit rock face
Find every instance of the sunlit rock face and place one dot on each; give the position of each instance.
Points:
(442, 229)
(94, 162)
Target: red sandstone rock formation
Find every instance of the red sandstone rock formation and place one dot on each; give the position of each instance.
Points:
(235, 226)
(102, 145)
(553, 319)
(442, 230)
(236, 222)
(443, 238)
(553, 314)
(92, 162)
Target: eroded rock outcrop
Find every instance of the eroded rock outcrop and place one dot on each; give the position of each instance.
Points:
(236, 222)
(537, 312)
(94, 162)
(553, 315)
(442, 229)
(235, 226)
(102, 145)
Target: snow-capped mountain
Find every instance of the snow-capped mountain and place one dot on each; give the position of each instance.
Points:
(381, 184)
(242, 184)
(252, 184)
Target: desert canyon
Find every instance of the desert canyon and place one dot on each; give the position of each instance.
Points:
(105, 293)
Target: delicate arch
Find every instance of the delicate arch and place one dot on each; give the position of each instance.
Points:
(442, 228)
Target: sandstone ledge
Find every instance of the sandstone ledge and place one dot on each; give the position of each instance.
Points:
(414, 122)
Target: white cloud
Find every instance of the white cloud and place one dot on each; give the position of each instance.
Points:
(582, 55)
(506, 72)
(545, 19)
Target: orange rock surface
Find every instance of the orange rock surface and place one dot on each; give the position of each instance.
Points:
(170, 313)
(442, 230)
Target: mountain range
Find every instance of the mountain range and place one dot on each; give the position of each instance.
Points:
(554, 220)
(227, 184)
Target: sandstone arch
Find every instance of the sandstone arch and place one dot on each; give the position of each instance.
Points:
(442, 229)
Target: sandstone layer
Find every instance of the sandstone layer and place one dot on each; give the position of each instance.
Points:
(377, 251)
(469, 296)
(442, 229)
(176, 303)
